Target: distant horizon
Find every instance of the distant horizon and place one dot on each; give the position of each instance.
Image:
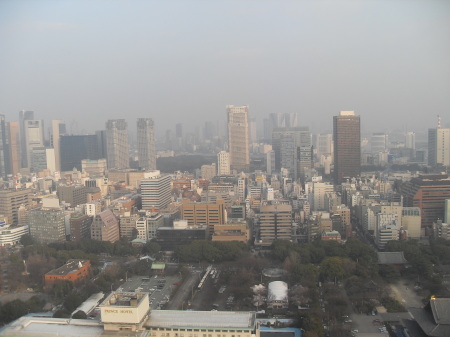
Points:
(88, 61)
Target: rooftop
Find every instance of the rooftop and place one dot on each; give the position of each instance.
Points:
(391, 258)
(70, 267)
(124, 299)
(202, 319)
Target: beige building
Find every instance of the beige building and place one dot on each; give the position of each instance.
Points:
(208, 171)
(10, 201)
(275, 224)
(238, 137)
(223, 163)
(105, 227)
(210, 214)
(95, 168)
(411, 221)
(231, 232)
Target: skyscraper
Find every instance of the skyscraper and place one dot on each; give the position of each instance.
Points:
(117, 144)
(238, 138)
(58, 128)
(34, 137)
(24, 116)
(14, 147)
(292, 147)
(410, 140)
(4, 148)
(75, 148)
(438, 146)
(146, 144)
(347, 146)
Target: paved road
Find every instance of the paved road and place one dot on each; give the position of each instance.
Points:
(185, 291)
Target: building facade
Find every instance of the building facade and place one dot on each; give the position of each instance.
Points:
(238, 137)
(146, 144)
(347, 146)
(117, 144)
(105, 227)
(275, 223)
(47, 224)
(155, 191)
(11, 200)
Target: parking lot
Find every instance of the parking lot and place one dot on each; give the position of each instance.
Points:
(362, 325)
(159, 287)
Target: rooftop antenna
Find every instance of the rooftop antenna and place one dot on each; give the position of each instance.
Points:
(439, 122)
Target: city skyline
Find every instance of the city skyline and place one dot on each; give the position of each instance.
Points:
(173, 61)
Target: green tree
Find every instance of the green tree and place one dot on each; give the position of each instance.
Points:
(27, 240)
(332, 268)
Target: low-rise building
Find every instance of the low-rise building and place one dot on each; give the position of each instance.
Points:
(231, 232)
(10, 235)
(73, 271)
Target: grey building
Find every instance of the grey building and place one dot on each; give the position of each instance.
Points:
(146, 144)
(117, 144)
(47, 224)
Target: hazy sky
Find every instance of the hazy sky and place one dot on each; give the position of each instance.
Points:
(184, 61)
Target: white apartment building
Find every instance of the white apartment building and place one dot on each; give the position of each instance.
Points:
(223, 163)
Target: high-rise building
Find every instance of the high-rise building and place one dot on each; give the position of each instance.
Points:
(324, 144)
(105, 227)
(275, 224)
(14, 147)
(223, 163)
(252, 130)
(438, 147)
(80, 226)
(211, 214)
(428, 192)
(238, 138)
(75, 148)
(292, 147)
(58, 128)
(47, 224)
(42, 158)
(146, 144)
(347, 146)
(4, 148)
(10, 201)
(34, 137)
(410, 140)
(155, 190)
(378, 142)
(117, 144)
(24, 116)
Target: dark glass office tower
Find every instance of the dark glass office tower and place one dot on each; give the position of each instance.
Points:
(347, 146)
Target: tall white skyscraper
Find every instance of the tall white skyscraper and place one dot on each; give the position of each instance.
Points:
(155, 190)
(34, 136)
(410, 140)
(238, 137)
(223, 163)
(58, 128)
(146, 144)
(24, 116)
(117, 144)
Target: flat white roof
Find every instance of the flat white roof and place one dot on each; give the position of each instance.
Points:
(201, 319)
(42, 326)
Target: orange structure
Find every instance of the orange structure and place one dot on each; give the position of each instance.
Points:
(72, 271)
